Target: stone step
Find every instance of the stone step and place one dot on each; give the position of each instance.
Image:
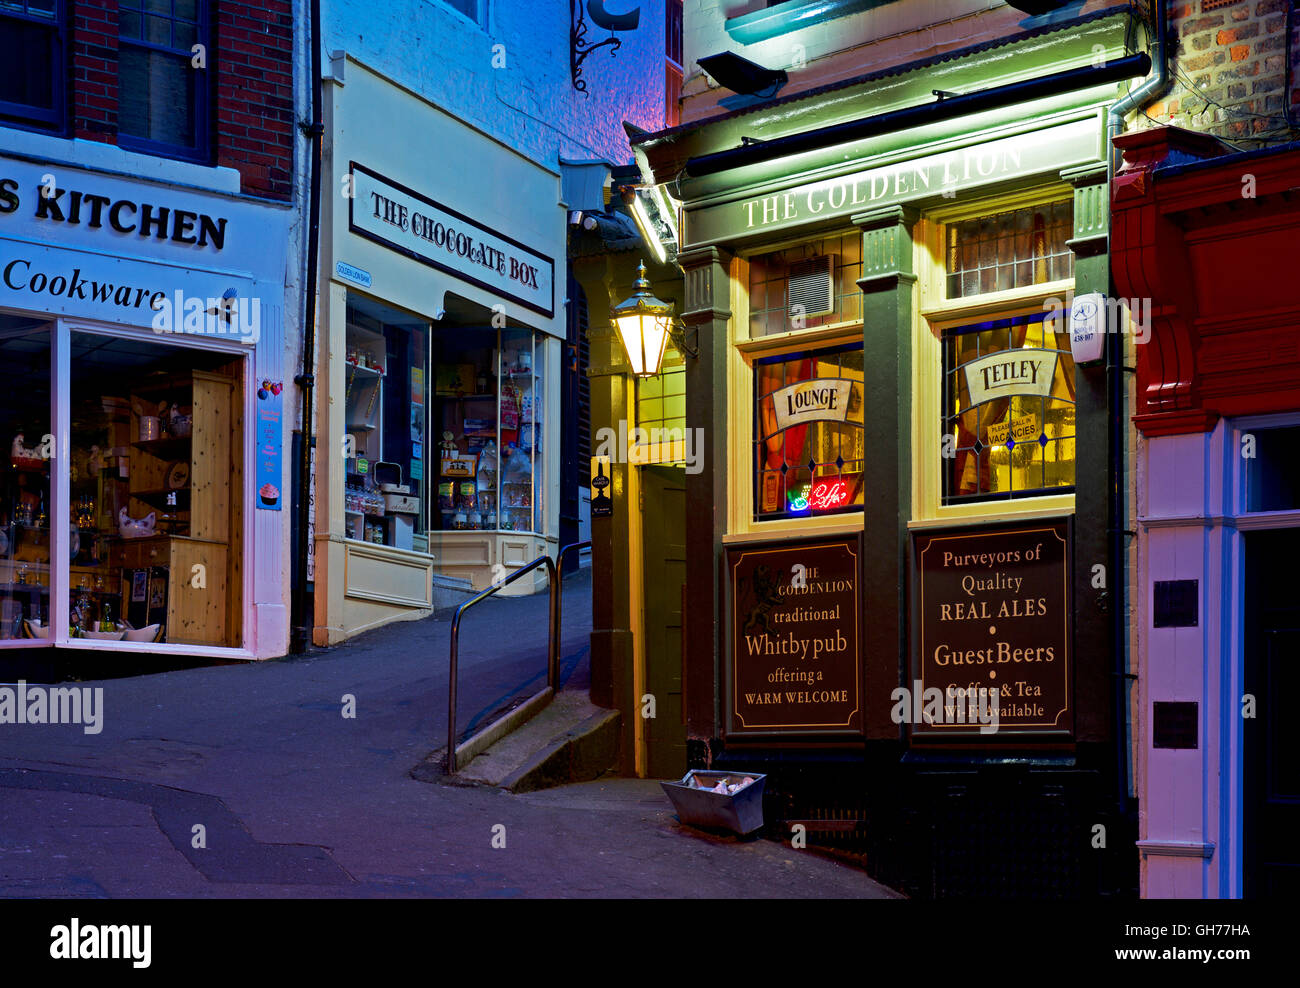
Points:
(570, 740)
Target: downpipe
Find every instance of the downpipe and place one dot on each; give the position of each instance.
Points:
(1154, 87)
(300, 634)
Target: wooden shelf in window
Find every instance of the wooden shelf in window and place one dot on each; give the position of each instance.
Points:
(158, 499)
(170, 448)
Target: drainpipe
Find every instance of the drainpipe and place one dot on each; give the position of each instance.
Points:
(1154, 87)
(300, 636)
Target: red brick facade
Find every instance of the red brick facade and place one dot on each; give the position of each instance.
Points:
(250, 63)
(1230, 69)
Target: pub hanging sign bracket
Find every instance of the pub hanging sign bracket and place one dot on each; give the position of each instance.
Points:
(580, 47)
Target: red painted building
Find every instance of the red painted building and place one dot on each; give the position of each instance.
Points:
(1208, 240)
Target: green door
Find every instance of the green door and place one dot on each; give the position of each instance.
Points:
(663, 517)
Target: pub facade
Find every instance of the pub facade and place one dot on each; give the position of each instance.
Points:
(903, 598)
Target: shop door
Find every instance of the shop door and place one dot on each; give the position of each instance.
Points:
(1271, 775)
(664, 539)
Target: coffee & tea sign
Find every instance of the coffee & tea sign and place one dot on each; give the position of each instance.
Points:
(993, 610)
(796, 644)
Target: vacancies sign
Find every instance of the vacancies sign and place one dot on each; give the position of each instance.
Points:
(796, 637)
(993, 612)
(403, 220)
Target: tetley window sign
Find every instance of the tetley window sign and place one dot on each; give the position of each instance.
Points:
(937, 175)
(412, 224)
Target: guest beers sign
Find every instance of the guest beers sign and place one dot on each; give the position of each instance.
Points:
(796, 638)
(993, 611)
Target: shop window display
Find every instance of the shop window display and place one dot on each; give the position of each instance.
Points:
(25, 507)
(810, 452)
(488, 417)
(155, 492)
(386, 398)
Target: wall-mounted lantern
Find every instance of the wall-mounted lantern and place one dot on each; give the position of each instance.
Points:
(644, 324)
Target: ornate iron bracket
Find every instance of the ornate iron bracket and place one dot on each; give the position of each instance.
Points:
(580, 47)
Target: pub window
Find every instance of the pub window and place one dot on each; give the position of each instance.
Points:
(163, 96)
(31, 62)
(806, 286)
(1008, 410)
(1012, 249)
(808, 428)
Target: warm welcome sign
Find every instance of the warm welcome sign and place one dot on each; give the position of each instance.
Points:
(796, 629)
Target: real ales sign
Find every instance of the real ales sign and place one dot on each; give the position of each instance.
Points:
(796, 637)
(993, 612)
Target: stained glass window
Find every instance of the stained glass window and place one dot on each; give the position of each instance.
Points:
(809, 450)
(1008, 250)
(772, 309)
(1008, 413)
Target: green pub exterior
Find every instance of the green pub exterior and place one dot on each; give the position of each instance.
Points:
(904, 600)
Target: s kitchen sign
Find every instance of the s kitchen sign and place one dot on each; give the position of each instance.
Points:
(409, 223)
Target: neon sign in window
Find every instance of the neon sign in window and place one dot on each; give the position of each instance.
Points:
(809, 446)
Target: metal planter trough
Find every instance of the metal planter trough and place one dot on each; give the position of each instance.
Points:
(741, 812)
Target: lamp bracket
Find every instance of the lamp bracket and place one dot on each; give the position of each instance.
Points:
(580, 47)
(677, 335)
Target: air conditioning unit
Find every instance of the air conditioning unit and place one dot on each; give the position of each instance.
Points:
(812, 286)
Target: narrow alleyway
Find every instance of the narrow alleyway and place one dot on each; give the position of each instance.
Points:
(296, 800)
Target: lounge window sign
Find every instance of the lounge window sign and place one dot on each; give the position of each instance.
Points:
(946, 173)
(405, 221)
(993, 614)
(795, 663)
(820, 400)
(89, 245)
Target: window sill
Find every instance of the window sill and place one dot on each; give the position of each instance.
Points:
(109, 158)
(848, 523)
(794, 15)
(986, 512)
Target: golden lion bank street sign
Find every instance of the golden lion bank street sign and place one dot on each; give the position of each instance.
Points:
(993, 612)
(796, 637)
(946, 173)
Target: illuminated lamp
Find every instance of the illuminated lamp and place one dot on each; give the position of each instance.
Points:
(643, 323)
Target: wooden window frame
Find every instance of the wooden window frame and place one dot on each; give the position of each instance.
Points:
(934, 313)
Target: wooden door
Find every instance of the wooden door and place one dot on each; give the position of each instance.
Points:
(664, 555)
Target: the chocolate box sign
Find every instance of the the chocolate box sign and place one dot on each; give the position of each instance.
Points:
(993, 608)
(796, 637)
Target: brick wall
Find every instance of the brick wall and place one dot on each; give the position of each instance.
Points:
(254, 105)
(93, 83)
(250, 65)
(1229, 70)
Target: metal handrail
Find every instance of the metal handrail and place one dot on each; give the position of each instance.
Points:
(552, 635)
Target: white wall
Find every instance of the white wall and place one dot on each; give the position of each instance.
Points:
(530, 104)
